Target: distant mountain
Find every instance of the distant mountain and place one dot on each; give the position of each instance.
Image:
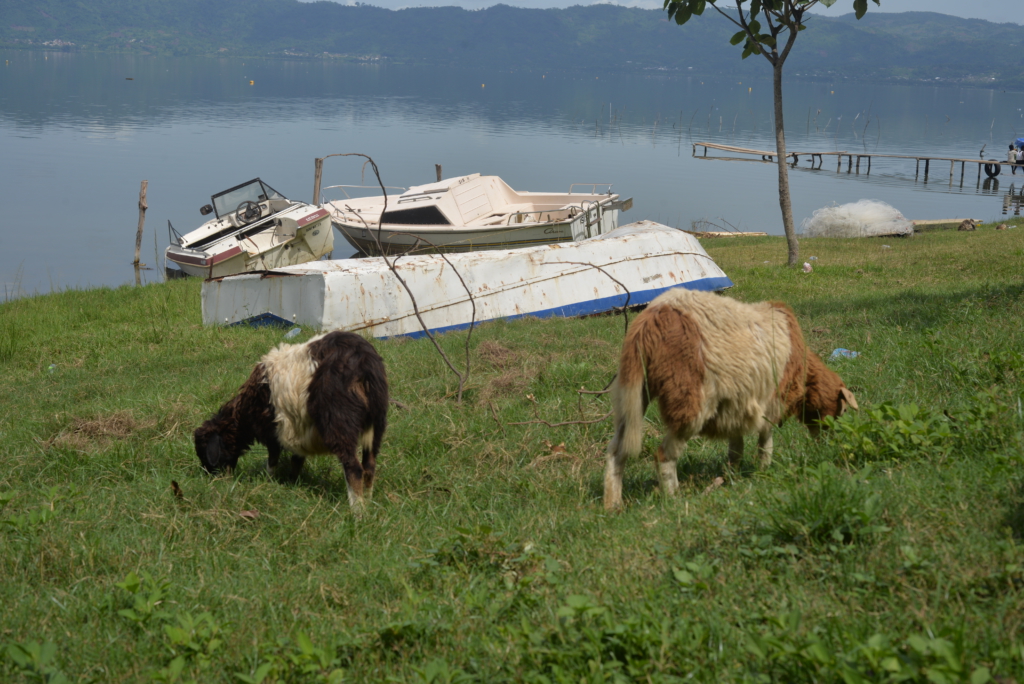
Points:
(912, 46)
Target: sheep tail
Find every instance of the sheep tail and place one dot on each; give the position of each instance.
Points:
(630, 390)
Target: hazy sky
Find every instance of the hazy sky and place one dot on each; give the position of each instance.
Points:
(992, 10)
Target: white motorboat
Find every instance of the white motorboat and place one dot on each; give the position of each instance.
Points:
(628, 267)
(473, 213)
(255, 228)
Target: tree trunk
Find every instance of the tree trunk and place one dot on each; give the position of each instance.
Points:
(780, 145)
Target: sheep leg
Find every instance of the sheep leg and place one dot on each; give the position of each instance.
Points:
(369, 446)
(353, 476)
(667, 455)
(297, 463)
(764, 447)
(735, 450)
(273, 454)
(613, 472)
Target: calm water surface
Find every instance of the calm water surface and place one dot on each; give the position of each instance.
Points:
(76, 137)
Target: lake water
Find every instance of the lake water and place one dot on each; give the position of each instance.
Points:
(77, 137)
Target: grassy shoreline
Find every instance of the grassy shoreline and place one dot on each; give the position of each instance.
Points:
(894, 549)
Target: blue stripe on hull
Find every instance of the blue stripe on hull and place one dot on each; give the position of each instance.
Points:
(592, 306)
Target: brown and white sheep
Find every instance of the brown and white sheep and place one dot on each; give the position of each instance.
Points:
(326, 396)
(718, 368)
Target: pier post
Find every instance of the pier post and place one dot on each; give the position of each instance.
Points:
(927, 163)
(143, 205)
(952, 165)
(318, 171)
(858, 163)
(917, 169)
(849, 163)
(869, 163)
(839, 163)
(142, 219)
(979, 172)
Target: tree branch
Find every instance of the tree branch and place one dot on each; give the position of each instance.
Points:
(750, 35)
(391, 266)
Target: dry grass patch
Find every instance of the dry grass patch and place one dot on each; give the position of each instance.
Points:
(517, 370)
(495, 354)
(90, 434)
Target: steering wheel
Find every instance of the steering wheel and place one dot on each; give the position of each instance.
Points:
(253, 211)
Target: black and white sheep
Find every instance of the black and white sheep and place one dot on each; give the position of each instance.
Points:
(326, 396)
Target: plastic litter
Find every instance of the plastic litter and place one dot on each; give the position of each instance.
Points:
(864, 218)
(812, 258)
(807, 267)
(886, 247)
(51, 368)
(294, 332)
(841, 353)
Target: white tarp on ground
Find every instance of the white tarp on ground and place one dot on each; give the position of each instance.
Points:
(566, 279)
(864, 218)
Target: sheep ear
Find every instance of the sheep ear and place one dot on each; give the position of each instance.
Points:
(846, 396)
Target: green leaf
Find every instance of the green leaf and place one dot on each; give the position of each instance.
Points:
(737, 37)
(20, 654)
(176, 634)
(175, 667)
(981, 676)
(918, 643)
(818, 652)
(131, 583)
(756, 647)
(860, 7)
(303, 642)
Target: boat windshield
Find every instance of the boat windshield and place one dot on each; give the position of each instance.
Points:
(255, 190)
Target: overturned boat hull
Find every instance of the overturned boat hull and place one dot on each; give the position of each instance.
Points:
(629, 266)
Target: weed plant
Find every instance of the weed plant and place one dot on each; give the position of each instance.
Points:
(889, 550)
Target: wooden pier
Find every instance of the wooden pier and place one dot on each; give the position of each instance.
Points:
(992, 167)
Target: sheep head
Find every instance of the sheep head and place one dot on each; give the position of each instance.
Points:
(212, 449)
(825, 395)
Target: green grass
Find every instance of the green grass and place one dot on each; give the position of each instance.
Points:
(892, 550)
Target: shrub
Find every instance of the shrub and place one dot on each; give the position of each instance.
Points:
(824, 507)
(889, 432)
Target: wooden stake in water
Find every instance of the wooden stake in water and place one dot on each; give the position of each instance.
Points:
(437, 168)
(142, 219)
